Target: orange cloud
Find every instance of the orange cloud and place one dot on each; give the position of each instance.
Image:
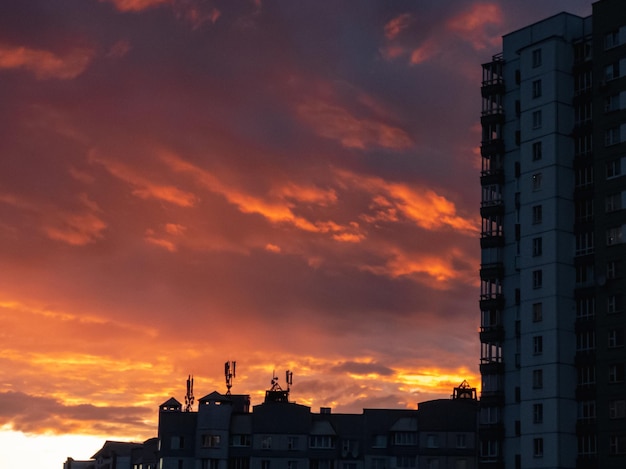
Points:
(472, 24)
(276, 208)
(76, 229)
(143, 188)
(398, 24)
(424, 52)
(336, 123)
(422, 205)
(136, 5)
(44, 64)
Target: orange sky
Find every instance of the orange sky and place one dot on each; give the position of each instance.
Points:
(291, 185)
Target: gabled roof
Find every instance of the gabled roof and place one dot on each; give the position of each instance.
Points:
(171, 402)
(120, 448)
(215, 396)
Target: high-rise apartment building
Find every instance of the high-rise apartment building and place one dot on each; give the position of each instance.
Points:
(553, 266)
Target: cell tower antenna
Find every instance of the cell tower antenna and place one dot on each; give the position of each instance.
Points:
(189, 399)
(289, 378)
(229, 374)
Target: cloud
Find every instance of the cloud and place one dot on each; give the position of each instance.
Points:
(336, 123)
(76, 229)
(136, 5)
(398, 24)
(143, 187)
(473, 25)
(363, 368)
(45, 64)
(36, 414)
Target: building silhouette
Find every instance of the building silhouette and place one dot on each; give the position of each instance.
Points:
(226, 433)
(553, 258)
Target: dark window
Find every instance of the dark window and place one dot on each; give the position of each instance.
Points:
(537, 246)
(537, 151)
(537, 89)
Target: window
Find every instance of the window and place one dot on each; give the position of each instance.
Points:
(612, 136)
(583, 144)
(585, 307)
(240, 440)
(537, 177)
(406, 461)
(211, 441)
(537, 312)
(489, 415)
(330, 464)
(537, 151)
(432, 463)
(584, 210)
(178, 442)
(616, 338)
(209, 463)
(266, 442)
(380, 441)
(536, 58)
(537, 246)
(584, 273)
(537, 379)
(614, 236)
(489, 449)
(405, 438)
(586, 375)
(611, 39)
(584, 176)
(265, 464)
(537, 447)
(582, 113)
(537, 413)
(537, 89)
(585, 340)
(292, 464)
(537, 214)
(614, 168)
(587, 410)
(584, 243)
(613, 304)
(616, 373)
(613, 202)
(612, 71)
(612, 103)
(617, 444)
(537, 345)
(432, 441)
(461, 440)
(537, 119)
(611, 269)
(587, 444)
(537, 279)
(379, 463)
(292, 442)
(327, 441)
(238, 463)
(617, 409)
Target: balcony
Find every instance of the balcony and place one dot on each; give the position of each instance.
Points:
(492, 398)
(492, 239)
(492, 270)
(492, 208)
(489, 334)
(492, 176)
(491, 367)
(495, 301)
(495, 146)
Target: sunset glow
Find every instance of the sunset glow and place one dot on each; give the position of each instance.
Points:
(291, 185)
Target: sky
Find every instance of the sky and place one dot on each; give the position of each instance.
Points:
(293, 185)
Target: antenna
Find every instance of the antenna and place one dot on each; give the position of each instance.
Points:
(189, 399)
(229, 374)
(288, 378)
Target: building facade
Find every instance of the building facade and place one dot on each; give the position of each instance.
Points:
(278, 434)
(553, 258)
